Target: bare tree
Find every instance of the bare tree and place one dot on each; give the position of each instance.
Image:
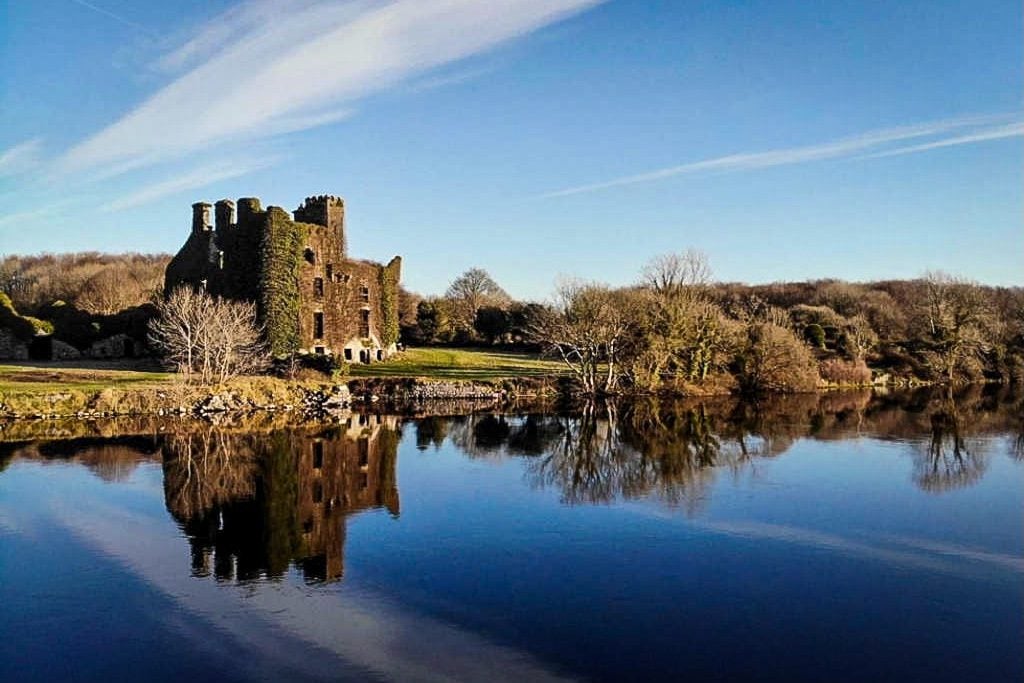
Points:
(955, 320)
(678, 274)
(589, 327)
(471, 291)
(207, 338)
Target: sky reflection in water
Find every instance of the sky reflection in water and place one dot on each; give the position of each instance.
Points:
(837, 537)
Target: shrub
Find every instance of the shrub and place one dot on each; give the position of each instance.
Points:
(845, 372)
(815, 335)
(774, 359)
(22, 327)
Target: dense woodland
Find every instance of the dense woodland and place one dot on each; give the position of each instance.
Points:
(675, 329)
(81, 297)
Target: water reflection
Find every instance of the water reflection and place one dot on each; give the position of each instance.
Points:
(255, 497)
(252, 505)
(674, 450)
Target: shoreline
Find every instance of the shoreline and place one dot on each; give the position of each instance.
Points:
(264, 394)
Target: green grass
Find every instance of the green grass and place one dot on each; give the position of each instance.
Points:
(464, 364)
(58, 377)
(427, 363)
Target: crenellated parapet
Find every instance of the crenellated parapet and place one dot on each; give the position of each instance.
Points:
(327, 210)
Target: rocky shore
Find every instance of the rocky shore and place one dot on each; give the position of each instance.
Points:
(267, 394)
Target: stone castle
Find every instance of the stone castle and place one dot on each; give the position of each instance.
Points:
(310, 296)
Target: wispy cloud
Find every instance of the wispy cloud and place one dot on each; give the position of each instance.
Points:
(200, 177)
(997, 133)
(31, 216)
(445, 80)
(228, 26)
(107, 13)
(20, 157)
(836, 149)
(254, 78)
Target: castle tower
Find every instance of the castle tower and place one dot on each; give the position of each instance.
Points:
(224, 214)
(201, 217)
(247, 208)
(325, 210)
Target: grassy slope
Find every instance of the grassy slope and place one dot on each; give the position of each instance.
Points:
(465, 364)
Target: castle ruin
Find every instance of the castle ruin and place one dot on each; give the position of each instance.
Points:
(310, 296)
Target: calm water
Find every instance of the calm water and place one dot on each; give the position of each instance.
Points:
(816, 538)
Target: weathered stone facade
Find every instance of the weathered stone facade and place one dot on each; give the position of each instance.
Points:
(312, 298)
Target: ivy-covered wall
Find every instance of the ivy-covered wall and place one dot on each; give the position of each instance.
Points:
(280, 261)
(389, 277)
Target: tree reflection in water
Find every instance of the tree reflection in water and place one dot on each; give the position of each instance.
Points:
(950, 459)
(257, 496)
(674, 450)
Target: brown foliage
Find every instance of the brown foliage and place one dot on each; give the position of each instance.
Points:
(845, 372)
(97, 283)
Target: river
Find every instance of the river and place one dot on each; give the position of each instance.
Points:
(838, 537)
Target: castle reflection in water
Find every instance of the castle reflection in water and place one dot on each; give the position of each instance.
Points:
(252, 505)
(259, 495)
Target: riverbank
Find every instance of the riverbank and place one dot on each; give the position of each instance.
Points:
(60, 390)
(91, 389)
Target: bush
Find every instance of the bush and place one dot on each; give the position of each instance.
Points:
(845, 372)
(310, 366)
(774, 359)
(22, 327)
(815, 335)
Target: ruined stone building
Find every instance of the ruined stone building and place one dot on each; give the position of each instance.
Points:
(311, 297)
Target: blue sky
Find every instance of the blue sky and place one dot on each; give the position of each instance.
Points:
(533, 138)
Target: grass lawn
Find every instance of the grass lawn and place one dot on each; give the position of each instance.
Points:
(466, 364)
(428, 363)
(63, 376)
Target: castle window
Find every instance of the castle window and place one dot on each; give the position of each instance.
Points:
(318, 287)
(318, 454)
(319, 350)
(329, 271)
(310, 256)
(318, 325)
(318, 492)
(364, 293)
(348, 354)
(380, 354)
(364, 325)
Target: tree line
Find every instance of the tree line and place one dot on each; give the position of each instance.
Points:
(677, 330)
(673, 330)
